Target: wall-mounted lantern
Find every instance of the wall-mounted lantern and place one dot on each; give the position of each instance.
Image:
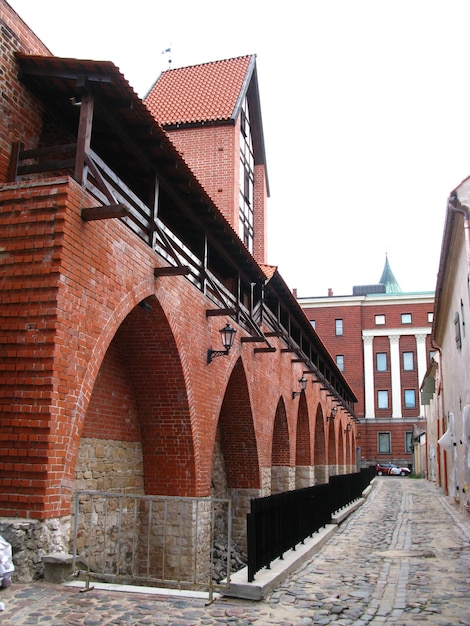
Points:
(303, 385)
(227, 334)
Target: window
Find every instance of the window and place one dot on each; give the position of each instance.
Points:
(382, 399)
(381, 361)
(410, 399)
(409, 442)
(406, 318)
(431, 354)
(384, 443)
(380, 319)
(313, 323)
(458, 336)
(246, 180)
(338, 327)
(408, 361)
(430, 317)
(340, 362)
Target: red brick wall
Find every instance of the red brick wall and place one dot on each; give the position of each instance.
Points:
(112, 412)
(20, 114)
(210, 152)
(213, 153)
(69, 291)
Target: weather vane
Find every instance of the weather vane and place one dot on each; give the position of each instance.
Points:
(168, 52)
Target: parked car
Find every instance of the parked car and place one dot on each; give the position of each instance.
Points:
(390, 469)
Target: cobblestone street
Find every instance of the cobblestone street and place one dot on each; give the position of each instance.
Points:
(401, 558)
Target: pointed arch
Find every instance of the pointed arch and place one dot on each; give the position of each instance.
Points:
(319, 453)
(144, 353)
(303, 447)
(332, 460)
(340, 448)
(281, 476)
(237, 433)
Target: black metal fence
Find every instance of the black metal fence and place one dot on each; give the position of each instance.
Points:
(278, 523)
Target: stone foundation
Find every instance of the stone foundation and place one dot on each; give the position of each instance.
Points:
(31, 540)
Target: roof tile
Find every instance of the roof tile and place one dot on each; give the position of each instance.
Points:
(199, 93)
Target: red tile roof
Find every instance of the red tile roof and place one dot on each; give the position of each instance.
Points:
(199, 93)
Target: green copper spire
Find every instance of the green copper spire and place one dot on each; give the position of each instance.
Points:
(388, 279)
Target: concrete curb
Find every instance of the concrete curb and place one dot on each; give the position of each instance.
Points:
(268, 579)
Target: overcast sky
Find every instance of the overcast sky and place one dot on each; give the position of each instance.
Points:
(365, 106)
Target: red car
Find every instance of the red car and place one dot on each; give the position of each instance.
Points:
(390, 469)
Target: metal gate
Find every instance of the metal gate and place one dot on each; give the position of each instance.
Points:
(152, 540)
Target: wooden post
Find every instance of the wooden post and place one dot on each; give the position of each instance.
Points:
(84, 136)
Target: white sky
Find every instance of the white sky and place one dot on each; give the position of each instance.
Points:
(365, 108)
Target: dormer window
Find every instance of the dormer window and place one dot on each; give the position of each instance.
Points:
(246, 179)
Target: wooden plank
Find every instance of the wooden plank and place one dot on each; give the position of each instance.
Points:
(106, 212)
(47, 166)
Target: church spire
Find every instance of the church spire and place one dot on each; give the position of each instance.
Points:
(388, 279)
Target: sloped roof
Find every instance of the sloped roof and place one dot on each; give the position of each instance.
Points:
(200, 93)
(388, 279)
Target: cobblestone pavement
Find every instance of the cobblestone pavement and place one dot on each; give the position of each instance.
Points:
(402, 558)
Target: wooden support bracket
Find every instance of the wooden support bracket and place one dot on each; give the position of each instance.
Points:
(252, 340)
(178, 270)
(214, 312)
(105, 212)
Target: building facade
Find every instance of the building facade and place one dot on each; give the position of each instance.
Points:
(118, 270)
(446, 386)
(380, 338)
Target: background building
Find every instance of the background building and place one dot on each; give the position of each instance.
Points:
(380, 339)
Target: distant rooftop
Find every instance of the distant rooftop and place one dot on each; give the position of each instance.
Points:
(387, 283)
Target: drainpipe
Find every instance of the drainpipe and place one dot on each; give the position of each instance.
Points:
(454, 204)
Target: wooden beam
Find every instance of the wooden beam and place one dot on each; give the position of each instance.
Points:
(276, 333)
(288, 350)
(84, 137)
(214, 312)
(257, 350)
(108, 211)
(252, 340)
(179, 270)
(16, 148)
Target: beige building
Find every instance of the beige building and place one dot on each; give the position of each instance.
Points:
(446, 387)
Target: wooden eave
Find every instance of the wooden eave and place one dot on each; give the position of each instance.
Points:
(126, 135)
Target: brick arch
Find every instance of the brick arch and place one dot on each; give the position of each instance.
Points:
(280, 446)
(331, 447)
(303, 455)
(237, 433)
(319, 454)
(151, 359)
(341, 459)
